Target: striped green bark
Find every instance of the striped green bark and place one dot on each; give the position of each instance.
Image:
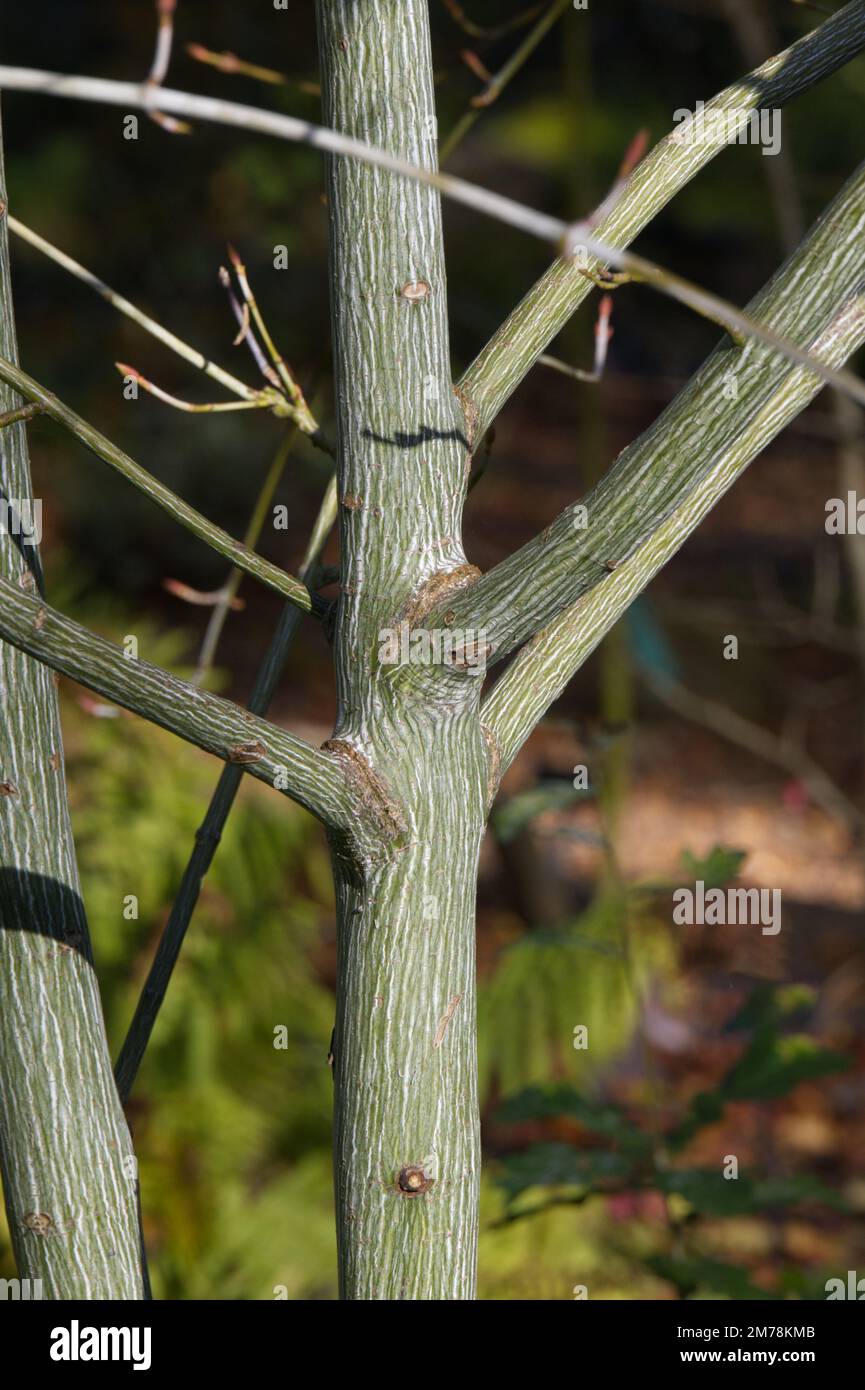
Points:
(407, 1154)
(69, 1176)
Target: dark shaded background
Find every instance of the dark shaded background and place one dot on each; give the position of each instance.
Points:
(233, 1134)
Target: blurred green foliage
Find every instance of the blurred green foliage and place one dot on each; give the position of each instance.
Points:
(640, 1154)
(591, 973)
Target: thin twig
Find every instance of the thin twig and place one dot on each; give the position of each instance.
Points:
(755, 739)
(245, 333)
(289, 385)
(573, 239)
(496, 83)
(228, 593)
(159, 68)
(477, 31)
(164, 38)
(710, 306)
(263, 570)
(261, 401)
(123, 305)
(476, 65)
(23, 412)
(234, 66)
(198, 597)
(603, 334)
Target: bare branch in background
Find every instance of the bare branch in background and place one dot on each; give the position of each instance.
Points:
(477, 31)
(780, 752)
(263, 570)
(236, 67)
(496, 82)
(475, 65)
(227, 596)
(124, 306)
(210, 833)
(198, 598)
(576, 240)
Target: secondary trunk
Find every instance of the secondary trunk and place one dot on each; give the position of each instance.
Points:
(69, 1177)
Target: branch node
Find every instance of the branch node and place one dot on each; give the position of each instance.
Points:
(370, 787)
(436, 589)
(250, 752)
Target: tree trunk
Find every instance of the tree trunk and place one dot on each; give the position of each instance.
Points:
(69, 1176)
(407, 1153)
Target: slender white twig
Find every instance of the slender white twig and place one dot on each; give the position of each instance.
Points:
(161, 59)
(245, 333)
(164, 39)
(123, 305)
(133, 374)
(572, 239)
(202, 108)
(603, 334)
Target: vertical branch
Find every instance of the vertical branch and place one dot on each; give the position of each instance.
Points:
(69, 1176)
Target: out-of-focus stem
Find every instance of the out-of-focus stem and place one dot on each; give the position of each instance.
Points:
(210, 832)
(253, 530)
